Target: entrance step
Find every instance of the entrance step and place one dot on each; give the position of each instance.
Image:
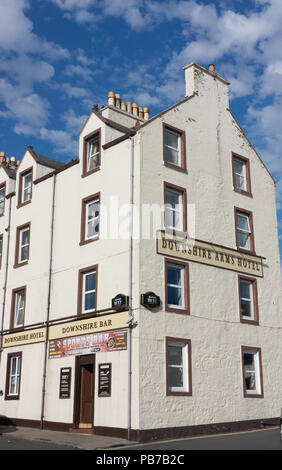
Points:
(82, 430)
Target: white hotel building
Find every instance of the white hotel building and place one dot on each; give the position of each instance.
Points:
(208, 356)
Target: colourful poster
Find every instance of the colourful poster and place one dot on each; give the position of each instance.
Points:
(88, 344)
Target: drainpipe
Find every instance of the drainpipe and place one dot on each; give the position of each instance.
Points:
(6, 272)
(48, 305)
(130, 312)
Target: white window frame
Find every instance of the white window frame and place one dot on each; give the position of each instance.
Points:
(26, 187)
(2, 199)
(256, 372)
(178, 286)
(85, 292)
(22, 245)
(250, 300)
(19, 309)
(16, 376)
(93, 156)
(178, 149)
(174, 209)
(244, 175)
(249, 232)
(94, 220)
(184, 366)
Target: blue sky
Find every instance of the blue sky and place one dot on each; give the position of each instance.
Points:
(59, 57)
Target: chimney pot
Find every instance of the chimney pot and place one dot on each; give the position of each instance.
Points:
(117, 100)
(111, 98)
(2, 157)
(123, 106)
(135, 109)
(211, 67)
(129, 107)
(146, 113)
(140, 112)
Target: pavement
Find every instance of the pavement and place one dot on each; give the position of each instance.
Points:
(76, 441)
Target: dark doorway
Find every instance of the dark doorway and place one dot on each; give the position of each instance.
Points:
(84, 392)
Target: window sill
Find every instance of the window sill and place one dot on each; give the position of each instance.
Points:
(249, 322)
(12, 397)
(182, 311)
(22, 204)
(250, 395)
(175, 167)
(19, 265)
(86, 314)
(244, 193)
(248, 252)
(178, 394)
(175, 232)
(87, 173)
(86, 242)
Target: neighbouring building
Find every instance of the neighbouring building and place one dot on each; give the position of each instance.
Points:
(115, 326)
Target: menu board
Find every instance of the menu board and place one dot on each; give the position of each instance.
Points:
(65, 382)
(105, 380)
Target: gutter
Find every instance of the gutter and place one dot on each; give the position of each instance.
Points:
(130, 311)
(48, 304)
(8, 229)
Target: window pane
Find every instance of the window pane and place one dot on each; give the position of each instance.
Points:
(19, 308)
(175, 355)
(173, 198)
(172, 156)
(13, 365)
(89, 301)
(172, 139)
(174, 296)
(90, 282)
(25, 237)
(175, 377)
(174, 274)
(244, 240)
(93, 159)
(242, 222)
(27, 180)
(246, 308)
(93, 209)
(24, 254)
(249, 362)
(240, 174)
(245, 289)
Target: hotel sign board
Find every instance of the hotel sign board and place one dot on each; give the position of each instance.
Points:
(208, 253)
(88, 326)
(24, 337)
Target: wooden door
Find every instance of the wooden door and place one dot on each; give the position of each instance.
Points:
(84, 392)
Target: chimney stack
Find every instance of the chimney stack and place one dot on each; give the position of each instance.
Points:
(211, 67)
(114, 100)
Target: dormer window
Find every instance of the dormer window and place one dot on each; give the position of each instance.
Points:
(25, 187)
(92, 153)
